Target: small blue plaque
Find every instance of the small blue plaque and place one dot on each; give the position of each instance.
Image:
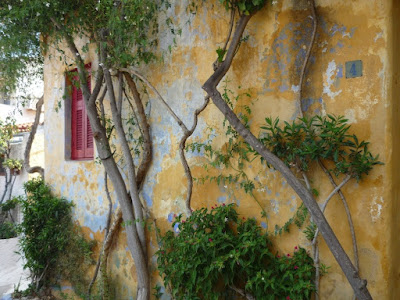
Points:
(354, 68)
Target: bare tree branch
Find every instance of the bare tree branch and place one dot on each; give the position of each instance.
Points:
(27, 167)
(315, 239)
(134, 192)
(308, 53)
(210, 86)
(182, 144)
(349, 218)
(134, 114)
(335, 190)
(120, 91)
(217, 63)
(242, 292)
(104, 151)
(144, 125)
(101, 104)
(137, 74)
(106, 231)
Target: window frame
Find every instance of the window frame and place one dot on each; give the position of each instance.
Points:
(75, 103)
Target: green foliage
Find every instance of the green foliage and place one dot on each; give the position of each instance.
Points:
(54, 248)
(127, 27)
(326, 138)
(7, 131)
(157, 292)
(221, 53)
(13, 164)
(245, 7)
(215, 250)
(9, 205)
(299, 218)
(310, 231)
(7, 230)
(236, 154)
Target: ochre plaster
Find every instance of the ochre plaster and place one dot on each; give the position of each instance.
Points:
(267, 66)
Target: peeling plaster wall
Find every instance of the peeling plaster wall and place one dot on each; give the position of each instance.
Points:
(267, 66)
(395, 165)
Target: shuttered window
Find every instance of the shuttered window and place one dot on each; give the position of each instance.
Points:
(81, 132)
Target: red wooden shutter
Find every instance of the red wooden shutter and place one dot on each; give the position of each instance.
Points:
(77, 122)
(81, 132)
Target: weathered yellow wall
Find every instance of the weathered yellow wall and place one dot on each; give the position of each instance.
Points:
(395, 114)
(267, 66)
(37, 151)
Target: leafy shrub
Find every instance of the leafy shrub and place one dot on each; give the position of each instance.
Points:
(217, 250)
(324, 138)
(13, 163)
(7, 227)
(8, 230)
(53, 246)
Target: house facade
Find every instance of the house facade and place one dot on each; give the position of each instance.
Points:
(24, 118)
(353, 71)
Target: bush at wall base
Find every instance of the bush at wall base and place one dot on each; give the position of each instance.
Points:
(212, 253)
(53, 246)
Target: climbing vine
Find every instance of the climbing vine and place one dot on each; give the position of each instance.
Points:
(125, 42)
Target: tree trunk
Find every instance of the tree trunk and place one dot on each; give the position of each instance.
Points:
(105, 154)
(358, 285)
(27, 167)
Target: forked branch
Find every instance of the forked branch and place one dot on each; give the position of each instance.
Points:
(210, 86)
(145, 130)
(185, 164)
(141, 77)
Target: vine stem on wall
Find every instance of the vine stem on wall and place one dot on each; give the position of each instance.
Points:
(106, 232)
(210, 86)
(308, 54)
(111, 234)
(186, 132)
(349, 218)
(170, 110)
(315, 247)
(315, 239)
(185, 164)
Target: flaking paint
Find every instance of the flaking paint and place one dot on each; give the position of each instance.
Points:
(267, 66)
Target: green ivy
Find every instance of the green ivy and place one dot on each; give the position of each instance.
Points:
(215, 250)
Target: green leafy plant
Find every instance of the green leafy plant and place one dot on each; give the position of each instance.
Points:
(235, 156)
(7, 131)
(216, 252)
(13, 164)
(7, 230)
(54, 248)
(326, 138)
(244, 6)
(299, 218)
